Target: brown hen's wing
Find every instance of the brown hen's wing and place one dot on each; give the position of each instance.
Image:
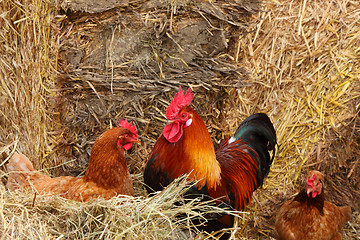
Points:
(23, 176)
(78, 189)
(334, 219)
(287, 224)
(297, 221)
(345, 213)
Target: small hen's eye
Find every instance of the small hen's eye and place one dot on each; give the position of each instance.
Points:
(126, 135)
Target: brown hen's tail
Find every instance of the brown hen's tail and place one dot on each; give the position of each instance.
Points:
(19, 168)
(346, 213)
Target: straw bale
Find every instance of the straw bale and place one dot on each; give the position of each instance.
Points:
(124, 62)
(27, 68)
(91, 6)
(304, 61)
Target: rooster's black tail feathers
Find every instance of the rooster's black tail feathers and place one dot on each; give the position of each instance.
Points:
(258, 131)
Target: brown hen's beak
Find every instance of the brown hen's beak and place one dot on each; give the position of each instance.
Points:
(308, 191)
(135, 140)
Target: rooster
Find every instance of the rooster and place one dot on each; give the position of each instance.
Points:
(230, 174)
(107, 174)
(309, 216)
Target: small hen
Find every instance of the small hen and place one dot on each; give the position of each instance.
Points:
(107, 174)
(309, 216)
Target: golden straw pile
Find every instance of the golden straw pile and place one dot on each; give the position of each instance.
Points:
(297, 61)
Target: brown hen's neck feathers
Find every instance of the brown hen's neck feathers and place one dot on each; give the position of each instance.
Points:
(317, 202)
(196, 152)
(107, 166)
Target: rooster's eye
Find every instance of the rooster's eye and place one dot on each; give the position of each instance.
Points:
(126, 135)
(184, 115)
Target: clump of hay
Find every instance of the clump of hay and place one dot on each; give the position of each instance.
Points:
(66, 76)
(41, 217)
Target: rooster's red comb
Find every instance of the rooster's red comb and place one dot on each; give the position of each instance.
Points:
(128, 125)
(180, 100)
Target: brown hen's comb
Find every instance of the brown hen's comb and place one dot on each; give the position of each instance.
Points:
(180, 100)
(129, 126)
(310, 181)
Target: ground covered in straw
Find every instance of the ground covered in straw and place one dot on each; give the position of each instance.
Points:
(70, 69)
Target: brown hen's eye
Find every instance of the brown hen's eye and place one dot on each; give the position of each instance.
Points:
(184, 115)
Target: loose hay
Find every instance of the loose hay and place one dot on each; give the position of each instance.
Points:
(122, 217)
(66, 76)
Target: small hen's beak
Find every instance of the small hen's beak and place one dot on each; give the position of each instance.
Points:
(308, 191)
(135, 140)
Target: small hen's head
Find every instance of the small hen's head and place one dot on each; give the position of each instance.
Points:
(314, 183)
(129, 136)
(178, 118)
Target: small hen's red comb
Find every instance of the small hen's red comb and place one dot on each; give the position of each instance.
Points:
(310, 181)
(128, 125)
(180, 100)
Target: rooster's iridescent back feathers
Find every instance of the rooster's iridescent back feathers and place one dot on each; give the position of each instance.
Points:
(259, 133)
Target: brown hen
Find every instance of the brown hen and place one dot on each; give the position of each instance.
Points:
(309, 216)
(107, 174)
